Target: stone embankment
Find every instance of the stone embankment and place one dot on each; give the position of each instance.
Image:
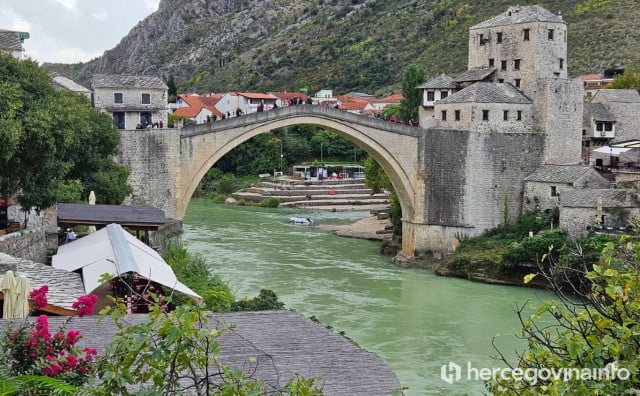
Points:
(340, 194)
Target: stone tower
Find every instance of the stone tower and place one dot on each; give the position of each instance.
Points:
(527, 47)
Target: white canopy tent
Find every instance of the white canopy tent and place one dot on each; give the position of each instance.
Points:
(615, 151)
(114, 251)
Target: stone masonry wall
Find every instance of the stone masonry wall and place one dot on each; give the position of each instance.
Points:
(153, 155)
(471, 174)
(29, 245)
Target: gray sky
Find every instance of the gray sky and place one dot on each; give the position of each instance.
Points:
(70, 31)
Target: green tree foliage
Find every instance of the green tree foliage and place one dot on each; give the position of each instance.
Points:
(194, 272)
(592, 326)
(54, 144)
(629, 80)
(377, 181)
(412, 97)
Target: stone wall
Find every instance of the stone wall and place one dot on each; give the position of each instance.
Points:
(103, 98)
(26, 244)
(470, 175)
(153, 155)
(471, 117)
(558, 112)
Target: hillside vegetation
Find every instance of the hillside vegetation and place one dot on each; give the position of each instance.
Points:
(346, 45)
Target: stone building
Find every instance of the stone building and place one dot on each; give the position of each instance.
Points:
(623, 108)
(130, 100)
(546, 187)
(435, 89)
(587, 210)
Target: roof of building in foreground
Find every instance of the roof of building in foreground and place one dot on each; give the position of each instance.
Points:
(273, 346)
(439, 82)
(520, 14)
(10, 40)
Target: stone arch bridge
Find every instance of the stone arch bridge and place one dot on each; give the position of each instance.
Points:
(167, 165)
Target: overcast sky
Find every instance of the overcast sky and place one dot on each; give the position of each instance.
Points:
(70, 31)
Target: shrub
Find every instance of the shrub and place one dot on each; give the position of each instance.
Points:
(270, 203)
(266, 300)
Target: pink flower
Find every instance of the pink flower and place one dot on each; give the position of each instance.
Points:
(39, 297)
(85, 305)
(72, 337)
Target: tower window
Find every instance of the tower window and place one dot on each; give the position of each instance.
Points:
(550, 34)
(554, 191)
(516, 82)
(117, 97)
(430, 96)
(499, 37)
(146, 98)
(482, 39)
(519, 115)
(457, 115)
(485, 115)
(516, 64)
(503, 65)
(505, 115)
(491, 62)
(561, 64)
(525, 34)
(444, 94)
(444, 115)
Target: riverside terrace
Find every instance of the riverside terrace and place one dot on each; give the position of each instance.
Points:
(283, 343)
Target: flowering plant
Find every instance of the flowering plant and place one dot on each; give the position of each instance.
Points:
(31, 349)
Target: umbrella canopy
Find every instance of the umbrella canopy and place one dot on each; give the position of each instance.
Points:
(8, 290)
(614, 151)
(114, 251)
(92, 201)
(23, 288)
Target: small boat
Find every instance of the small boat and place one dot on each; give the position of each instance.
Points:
(300, 220)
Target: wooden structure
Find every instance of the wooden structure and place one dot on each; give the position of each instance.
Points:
(140, 219)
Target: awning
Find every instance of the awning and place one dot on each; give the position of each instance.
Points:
(114, 251)
(615, 151)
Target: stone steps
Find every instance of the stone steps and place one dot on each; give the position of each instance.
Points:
(316, 194)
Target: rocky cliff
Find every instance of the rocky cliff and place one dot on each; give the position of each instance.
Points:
(346, 45)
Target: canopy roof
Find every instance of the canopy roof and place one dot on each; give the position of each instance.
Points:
(615, 151)
(114, 251)
(130, 216)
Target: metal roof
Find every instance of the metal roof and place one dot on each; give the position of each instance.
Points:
(140, 216)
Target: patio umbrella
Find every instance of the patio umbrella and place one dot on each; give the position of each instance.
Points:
(22, 297)
(92, 201)
(8, 290)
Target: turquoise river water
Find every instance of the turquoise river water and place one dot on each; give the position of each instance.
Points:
(415, 320)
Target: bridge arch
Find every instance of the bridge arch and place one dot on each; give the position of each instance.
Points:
(391, 145)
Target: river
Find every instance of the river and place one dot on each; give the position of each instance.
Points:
(415, 320)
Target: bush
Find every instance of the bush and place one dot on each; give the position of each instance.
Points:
(270, 203)
(218, 198)
(531, 250)
(194, 272)
(266, 300)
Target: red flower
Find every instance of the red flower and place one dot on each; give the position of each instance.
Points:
(85, 304)
(72, 337)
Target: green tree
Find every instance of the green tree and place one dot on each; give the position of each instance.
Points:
(377, 180)
(412, 96)
(594, 325)
(629, 80)
(57, 145)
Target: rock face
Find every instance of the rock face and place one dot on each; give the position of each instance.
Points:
(344, 45)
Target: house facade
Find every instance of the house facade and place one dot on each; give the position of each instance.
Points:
(132, 101)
